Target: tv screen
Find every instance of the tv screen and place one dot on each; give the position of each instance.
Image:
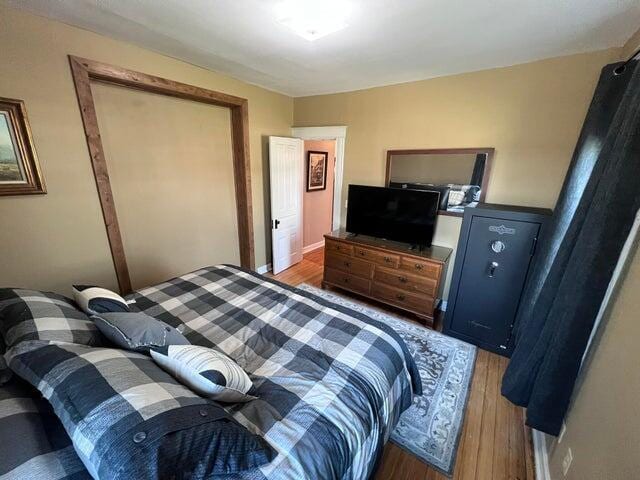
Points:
(392, 213)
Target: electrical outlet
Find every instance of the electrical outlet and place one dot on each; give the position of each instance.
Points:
(563, 430)
(566, 462)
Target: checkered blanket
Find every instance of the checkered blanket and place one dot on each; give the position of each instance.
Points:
(331, 382)
(121, 412)
(33, 442)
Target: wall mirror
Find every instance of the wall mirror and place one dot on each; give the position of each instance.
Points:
(461, 175)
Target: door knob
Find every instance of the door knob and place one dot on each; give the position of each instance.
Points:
(275, 224)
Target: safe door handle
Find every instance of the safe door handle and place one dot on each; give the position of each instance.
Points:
(492, 268)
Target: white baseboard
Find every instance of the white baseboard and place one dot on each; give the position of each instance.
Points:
(264, 269)
(312, 247)
(541, 455)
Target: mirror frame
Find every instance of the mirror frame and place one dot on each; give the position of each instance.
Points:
(443, 151)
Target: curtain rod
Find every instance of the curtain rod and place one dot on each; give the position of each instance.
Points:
(619, 70)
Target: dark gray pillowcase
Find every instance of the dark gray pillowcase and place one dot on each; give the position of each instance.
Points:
(137, 331)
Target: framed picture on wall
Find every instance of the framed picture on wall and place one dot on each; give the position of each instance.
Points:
(316, 171)
(19, 169)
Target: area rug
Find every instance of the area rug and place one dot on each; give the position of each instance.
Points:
(430, 429)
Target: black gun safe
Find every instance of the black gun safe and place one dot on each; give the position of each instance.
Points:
(495, 252)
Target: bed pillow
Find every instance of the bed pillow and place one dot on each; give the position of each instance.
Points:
(206, 371)
(34, 315)
(92, 300)
(137, 331)
(127, 418)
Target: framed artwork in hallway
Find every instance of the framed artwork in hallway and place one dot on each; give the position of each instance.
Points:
(316, 171)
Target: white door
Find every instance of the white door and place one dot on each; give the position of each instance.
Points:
(286, 161)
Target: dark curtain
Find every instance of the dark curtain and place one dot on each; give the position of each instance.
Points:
(578, 252)
(478, 169)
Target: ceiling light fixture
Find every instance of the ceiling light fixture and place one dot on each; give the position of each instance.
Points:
(313, 19)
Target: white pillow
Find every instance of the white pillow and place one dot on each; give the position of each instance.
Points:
(92, 300)
(207, 372)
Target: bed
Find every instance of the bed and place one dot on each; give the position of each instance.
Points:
(331, 382)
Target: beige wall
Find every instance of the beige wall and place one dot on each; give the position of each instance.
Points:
(531, 114)
(603, 427)
(171, 169)
(318, 206)
(632, 45)
(53, 240)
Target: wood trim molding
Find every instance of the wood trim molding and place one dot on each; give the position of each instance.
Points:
(84, 72)
(444, 151)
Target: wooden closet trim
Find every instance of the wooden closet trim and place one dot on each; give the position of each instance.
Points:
(84, 72)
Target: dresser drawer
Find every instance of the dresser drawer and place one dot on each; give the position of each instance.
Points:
(346, 280)
(375, 256)
(406, 281)
(348, 264)
(421, 267)
(403, 299)
(337, 247)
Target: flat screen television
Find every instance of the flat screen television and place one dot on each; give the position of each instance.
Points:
(396, 214)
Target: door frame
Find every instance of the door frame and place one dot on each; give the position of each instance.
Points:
(339, 134)
(84, 72)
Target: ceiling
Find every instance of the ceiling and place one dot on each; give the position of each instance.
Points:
(385, 42)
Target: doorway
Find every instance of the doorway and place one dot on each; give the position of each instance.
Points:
(306, 188)
(317, 203)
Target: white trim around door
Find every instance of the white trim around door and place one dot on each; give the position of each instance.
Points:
(339, 134)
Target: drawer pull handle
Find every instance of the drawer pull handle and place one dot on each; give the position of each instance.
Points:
(400, 297)
(403, 279)
(347, 264)
(419, 266)
(362, 253)
(387, 259)
(346, 280)
(337, 247)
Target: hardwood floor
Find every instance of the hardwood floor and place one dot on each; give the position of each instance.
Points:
(494, 445)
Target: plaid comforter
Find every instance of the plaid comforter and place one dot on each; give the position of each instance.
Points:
(331, 382)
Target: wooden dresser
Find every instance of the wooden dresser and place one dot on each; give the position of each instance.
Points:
(389, 272)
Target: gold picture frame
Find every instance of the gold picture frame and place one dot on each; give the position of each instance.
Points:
(19, 168)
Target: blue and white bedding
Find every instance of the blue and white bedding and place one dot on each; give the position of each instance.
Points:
(331, 383)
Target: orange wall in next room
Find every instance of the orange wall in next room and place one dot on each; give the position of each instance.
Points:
(318, 205)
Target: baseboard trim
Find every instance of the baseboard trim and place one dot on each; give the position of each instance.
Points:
(264, 269)
(312, 247)
(541, 455)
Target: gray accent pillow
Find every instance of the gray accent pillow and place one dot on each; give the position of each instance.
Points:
(137, 331)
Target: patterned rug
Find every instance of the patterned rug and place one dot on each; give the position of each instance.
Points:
(430, 429)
